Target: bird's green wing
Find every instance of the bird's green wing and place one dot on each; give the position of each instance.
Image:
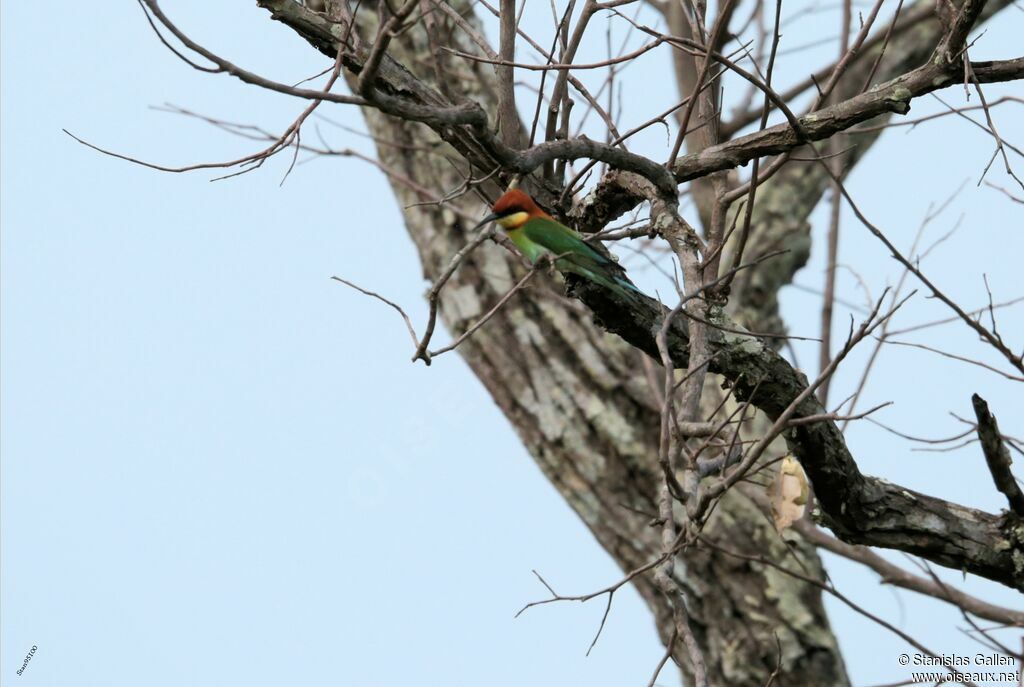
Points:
(563, 241)
(576, 255)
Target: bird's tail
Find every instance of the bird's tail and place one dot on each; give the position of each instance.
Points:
(620, 284)
(611, 276)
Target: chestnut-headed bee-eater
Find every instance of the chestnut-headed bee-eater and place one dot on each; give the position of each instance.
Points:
(535, 233)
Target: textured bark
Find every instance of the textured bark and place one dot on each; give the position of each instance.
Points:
(858, 508)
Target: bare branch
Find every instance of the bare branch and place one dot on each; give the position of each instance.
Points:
(997, 455)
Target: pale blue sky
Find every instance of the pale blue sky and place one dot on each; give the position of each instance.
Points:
(219, 466)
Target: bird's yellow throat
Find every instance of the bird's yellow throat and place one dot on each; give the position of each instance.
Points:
(514, 220)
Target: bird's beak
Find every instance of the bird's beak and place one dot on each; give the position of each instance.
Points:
(489, 218)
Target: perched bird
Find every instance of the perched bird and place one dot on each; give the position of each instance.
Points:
(537, 234)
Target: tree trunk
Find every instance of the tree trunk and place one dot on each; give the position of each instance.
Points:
(581, 403)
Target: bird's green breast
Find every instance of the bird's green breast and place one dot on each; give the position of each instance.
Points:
(531, 250)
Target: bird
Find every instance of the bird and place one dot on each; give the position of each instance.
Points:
(536, 234)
